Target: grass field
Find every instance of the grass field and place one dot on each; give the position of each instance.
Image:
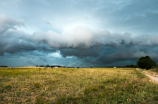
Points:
(155, 70)
(76, 86)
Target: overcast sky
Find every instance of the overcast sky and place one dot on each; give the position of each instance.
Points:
(77, 32)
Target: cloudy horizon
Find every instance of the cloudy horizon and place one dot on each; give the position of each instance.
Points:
(76, 33)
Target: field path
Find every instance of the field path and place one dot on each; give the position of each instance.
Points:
(154, 78)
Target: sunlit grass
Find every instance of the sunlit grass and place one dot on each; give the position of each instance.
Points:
(155, 70)
(76, 86)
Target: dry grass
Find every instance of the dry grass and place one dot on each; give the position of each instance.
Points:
(75, 85)
(153, 72)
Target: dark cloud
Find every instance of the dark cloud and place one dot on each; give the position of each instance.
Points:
(107, 54)
(13, 40)
(100, 47)
(94, 32)
(90, 45)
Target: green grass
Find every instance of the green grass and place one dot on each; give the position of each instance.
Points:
(139, 74)
(76, 86)
(154, 70)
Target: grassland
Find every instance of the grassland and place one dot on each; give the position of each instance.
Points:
(154, 70)
(76, 86)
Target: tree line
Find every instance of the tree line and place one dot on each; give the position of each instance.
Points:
(3, 66)
(144, 62)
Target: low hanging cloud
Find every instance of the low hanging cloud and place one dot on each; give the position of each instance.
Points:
(93, 46)
(84, 37)
(99, 47)
(13, 40)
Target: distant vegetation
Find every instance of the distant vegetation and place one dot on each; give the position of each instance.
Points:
(131, 66)
(143, 62)
(3, 66)
(54, 66)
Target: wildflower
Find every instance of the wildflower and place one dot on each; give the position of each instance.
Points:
(128, 99)
(106, 86)
(67, 95)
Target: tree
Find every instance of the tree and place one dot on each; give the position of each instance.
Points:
(146, 62)
(41, 66)
(47, 66)
(130, 66)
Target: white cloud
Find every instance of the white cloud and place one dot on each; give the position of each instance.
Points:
(69, 56)
(84, 37)
(55, 54)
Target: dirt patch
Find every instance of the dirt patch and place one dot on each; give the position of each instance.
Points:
(153, 77)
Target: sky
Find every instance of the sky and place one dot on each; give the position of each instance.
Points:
(78, 33)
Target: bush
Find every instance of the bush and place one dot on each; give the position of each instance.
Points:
(37, 85)
(146, 62)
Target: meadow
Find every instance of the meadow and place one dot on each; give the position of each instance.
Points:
(76, 86)
(153, 70)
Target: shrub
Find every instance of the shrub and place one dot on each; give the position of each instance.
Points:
(40, 100)
(37, 85)
(7, 87)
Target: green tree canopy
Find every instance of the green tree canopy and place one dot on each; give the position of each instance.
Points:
(146, 62)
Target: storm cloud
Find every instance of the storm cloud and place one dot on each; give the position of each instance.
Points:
(84, 37)
(13, 40)
(100, 47)
(78, 32)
